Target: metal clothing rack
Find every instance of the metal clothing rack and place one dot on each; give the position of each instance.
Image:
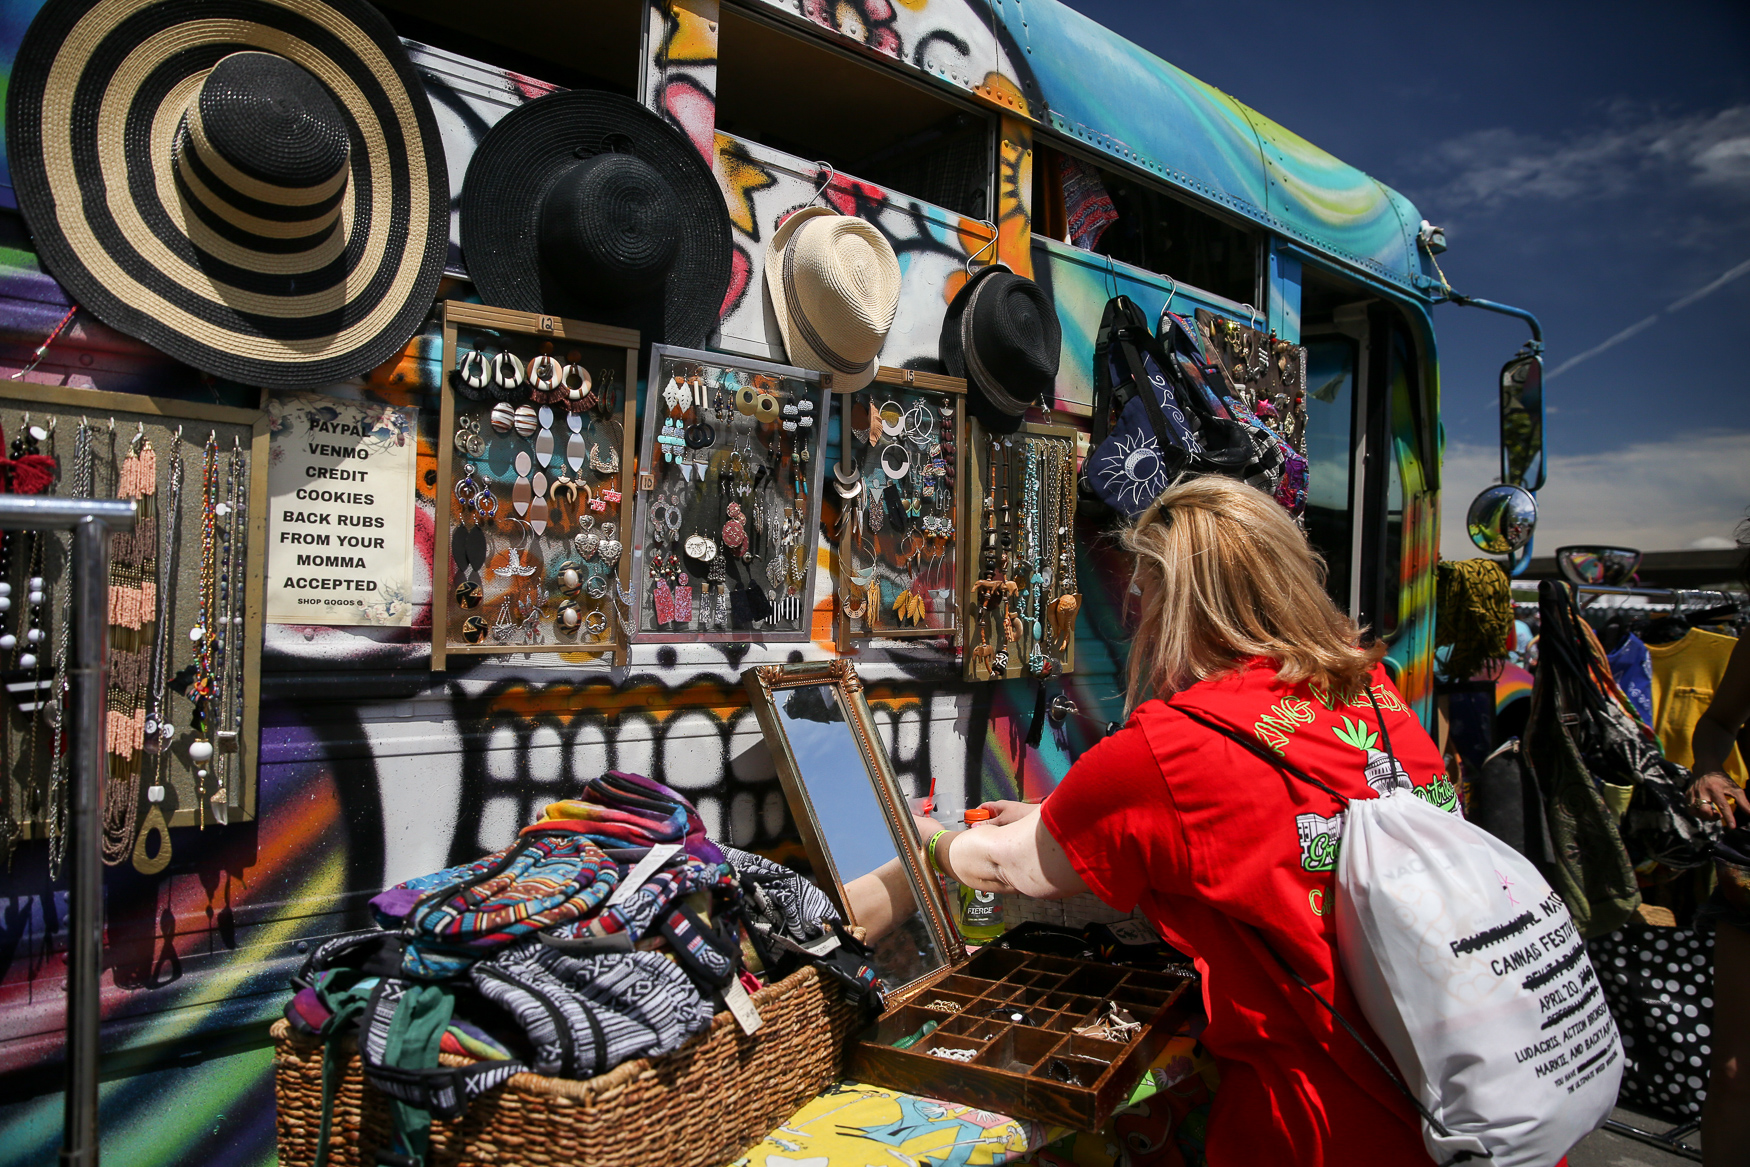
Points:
(92, 522)
(1671, 1141)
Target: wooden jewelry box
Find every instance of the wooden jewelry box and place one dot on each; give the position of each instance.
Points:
(1018, 1011)
(1014, 1014)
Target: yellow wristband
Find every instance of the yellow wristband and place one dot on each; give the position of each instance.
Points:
(930, 850)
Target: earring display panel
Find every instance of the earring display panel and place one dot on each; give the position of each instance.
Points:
(184, 615)
(1022, 591)
(533, 465)
(898, 477)
(1038, 1037)
(728, 499)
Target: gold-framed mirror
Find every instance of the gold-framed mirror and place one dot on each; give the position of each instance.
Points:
(850, 810)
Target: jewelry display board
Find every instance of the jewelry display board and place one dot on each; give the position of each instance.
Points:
(899, 547)
(1021, 593)
(185, 611)
(728, 499)
(1266, 375)
(535, 455)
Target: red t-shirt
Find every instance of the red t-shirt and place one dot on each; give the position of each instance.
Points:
(1212, 843)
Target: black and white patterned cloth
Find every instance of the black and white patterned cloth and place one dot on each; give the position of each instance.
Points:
(781, 898)
(1659, 985)
(586, 1015)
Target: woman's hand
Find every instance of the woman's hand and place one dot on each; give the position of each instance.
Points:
(1004, 811)
(1715, 796)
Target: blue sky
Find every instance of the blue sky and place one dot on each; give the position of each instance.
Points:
(1590, 162)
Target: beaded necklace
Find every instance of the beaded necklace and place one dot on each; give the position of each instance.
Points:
(204, 634)
(133, 604)
(159, 731)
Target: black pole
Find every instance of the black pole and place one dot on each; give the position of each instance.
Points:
(88, 676)
(82, 718)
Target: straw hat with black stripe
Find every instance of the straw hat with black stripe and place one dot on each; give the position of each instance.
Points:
(256, 187)
(834, 284)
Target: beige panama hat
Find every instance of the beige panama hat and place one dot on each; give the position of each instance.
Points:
(834, 283)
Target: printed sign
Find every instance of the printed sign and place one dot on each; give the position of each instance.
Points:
(340, 518)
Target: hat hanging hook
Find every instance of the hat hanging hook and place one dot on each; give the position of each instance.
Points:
(1252, 313)
(831, 173)
(983, 247)
(1111, 275)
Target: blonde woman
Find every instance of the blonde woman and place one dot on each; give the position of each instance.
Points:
(1224, 854)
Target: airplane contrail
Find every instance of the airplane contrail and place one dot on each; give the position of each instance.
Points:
(1642, 325)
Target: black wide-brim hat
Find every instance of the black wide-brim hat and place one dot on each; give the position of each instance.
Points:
(1002, 335)
(585, 204)
(256, 187)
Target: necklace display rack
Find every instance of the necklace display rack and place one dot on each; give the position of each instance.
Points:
(898, 481)
(534, 464)
(1022, 589)
(185, 615)
(733, 456)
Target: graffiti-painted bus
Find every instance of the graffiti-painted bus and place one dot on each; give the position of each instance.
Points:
(926, 117)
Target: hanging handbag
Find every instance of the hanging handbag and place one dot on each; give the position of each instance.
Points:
(1153, 419)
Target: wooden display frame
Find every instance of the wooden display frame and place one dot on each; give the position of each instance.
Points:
(977, 470)
(161, 416)
(540, 327)
(651, 474)
(903, 381)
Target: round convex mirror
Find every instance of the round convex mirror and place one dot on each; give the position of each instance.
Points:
(1501, 519)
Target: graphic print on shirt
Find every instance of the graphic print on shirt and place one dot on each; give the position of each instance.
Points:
(1383, 772)
(1320, 839)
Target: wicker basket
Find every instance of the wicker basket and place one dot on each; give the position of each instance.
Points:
(700, 1106)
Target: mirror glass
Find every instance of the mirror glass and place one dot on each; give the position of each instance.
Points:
(1610, 567)
(851, 828)
(1522, 422)
(1501, 519)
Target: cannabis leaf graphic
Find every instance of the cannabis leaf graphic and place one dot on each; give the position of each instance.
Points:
(1356, 733)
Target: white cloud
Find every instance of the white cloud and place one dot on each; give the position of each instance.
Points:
(1488, 168)
(1712, 543)
(1686, 491)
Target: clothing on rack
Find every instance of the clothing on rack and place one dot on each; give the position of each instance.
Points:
(1473, 614)
(1630, 665)
(1685, 674)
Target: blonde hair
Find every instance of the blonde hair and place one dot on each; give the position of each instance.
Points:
(1224, 576)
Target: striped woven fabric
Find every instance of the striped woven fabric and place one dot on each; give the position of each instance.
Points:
(550, 876)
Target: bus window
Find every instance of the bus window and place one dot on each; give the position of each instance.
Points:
(791, 93)
(592, 46)
(1157, 232)
(1330, 438)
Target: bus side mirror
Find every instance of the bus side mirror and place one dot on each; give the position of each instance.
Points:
(1522, 460)
(1501, 520)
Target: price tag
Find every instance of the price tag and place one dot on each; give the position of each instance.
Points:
(645, 868)
(742, 1006)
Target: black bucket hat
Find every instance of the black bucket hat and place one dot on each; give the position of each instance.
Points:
(257, 187)
(586, 204)
(1001, 334)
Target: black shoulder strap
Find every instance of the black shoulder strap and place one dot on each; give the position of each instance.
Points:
(1101, 423)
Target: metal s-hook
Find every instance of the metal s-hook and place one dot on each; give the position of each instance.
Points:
(1172, 294)
(1252, 313)
(984, 247)
(831, 173)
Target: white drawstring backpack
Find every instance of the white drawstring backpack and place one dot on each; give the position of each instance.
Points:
(1469, 968)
